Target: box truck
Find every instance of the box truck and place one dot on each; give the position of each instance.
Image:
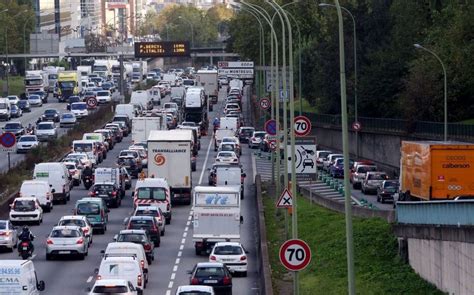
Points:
(169, 157)
(208, 80)
(142, 126)
(216, 216)
(435, 170)
(36, 81)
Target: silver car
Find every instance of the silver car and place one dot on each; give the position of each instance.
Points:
(46, 131)
(67, 120)
(26, 143)
(66, 240)
(8, 235)
(78, 220)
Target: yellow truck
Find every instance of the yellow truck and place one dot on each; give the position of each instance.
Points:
(69, 84)
(435, 170)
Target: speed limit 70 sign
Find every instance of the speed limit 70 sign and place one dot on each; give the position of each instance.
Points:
(295, 254)
(302, 126)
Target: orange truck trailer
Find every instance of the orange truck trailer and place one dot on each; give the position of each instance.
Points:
(435, 170)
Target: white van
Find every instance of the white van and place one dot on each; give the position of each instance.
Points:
(228, 123)
(155, 94)
(57, 176)
(19, 277)
(230, 175)
(129, 249)
(127, 268)
(141, 97)
(5, 109)
(94, 136)
(154, 191)
(125, 109)
(87, 147)
(39, 189)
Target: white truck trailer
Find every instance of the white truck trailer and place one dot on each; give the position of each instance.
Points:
(208, 80)
(142, 127)
(216, 216)
(169, 157)
(36, 81)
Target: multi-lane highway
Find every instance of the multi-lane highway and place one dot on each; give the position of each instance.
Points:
(173, 258)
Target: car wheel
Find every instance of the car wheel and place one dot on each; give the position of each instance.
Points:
(382, 200)
(49, 256)
(244, 273)
(82, 256)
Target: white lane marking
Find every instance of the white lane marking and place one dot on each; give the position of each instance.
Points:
(185, 234)
(183, 241)
(173, 275)
(254, 167)
(177, 261)
(175, 268)
(170, 285)
(168, 292)
(89, 279)
(205, 162)
(180, 253)
(190, 217)
(186, 228)
(188, 223)
(33, 256)
(181, 247)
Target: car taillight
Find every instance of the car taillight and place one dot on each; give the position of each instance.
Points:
(194, 281)
(227, 281)
(213, 258)
(242, 258)
(147, 247)
(102, 213)
(80, 241)
(139, 280)
(48, 241)
(91, 194)
(85, 230)
(114, 193)
(99, 277)
(142, 263)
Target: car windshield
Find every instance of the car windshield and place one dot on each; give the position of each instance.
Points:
(68, 116)
(209, 271)
(34, 97)
(45, 126)
(140, 223)
(88, 208)
(12, 126)
(110, 290)
(102, 93)
(67, 84)
(259, 134)
(83, 147)
(133, 238)
(377, 177)
(155, 193)
(128, 153)
(227, 147)
(50, 112)
(227, 250)
(225, 155)
(366, 169)
(76, 222)
(145, 212)
(65, 233)
(24, 205)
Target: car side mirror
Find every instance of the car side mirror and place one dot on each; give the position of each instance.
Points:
(102, 251)
(96, 271)
(40, 286)
(115, 238)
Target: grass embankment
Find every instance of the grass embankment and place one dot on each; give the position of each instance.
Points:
(378, 268)
(12, 180)
(15, 84)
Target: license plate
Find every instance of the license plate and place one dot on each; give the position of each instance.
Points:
(210, 281)
(25, 248)
(64, 252)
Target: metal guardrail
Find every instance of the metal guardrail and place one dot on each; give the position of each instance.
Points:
(451, 213)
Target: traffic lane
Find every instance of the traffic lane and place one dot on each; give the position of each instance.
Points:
(70, 273)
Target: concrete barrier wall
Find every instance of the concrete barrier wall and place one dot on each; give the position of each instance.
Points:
(447, 264)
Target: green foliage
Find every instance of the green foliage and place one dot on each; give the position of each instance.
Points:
(17, 24)
(377, 266)
(394, 78)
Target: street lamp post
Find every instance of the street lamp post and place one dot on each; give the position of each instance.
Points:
(418, 46)
(356, 109)
(192, 29)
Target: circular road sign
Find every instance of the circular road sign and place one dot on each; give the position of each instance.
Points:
(8, 139)
(295, 254)
(272, 144)
(356, 126)
(91, 102)
(264, 103)
(270, 127)
(302, 126)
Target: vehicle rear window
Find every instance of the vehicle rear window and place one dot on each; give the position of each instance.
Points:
(228, 250)
(24, 205)
(377, 177)
(110, 290)
(152, 213)
(209, 271)
(155, 193)
(88, 208)
(132, 238)
(3, 225)
(65, 233)
(76, 222)
(138, 223)
(366, 169)
(45, 126)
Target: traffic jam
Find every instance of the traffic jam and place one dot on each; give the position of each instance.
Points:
(140, 163)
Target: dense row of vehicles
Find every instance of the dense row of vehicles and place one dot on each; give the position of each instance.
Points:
(163, 136)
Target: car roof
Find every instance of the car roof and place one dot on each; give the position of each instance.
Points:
(209, 264)
(236, 244)
(74, 217)
(132, 231)
(72, 227)
(141, 217)
(190, 288)
(106, 282)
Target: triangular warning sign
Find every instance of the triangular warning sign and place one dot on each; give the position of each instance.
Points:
(285, 200)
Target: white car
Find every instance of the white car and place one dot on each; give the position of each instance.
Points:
(13, 99)
(256, 139)
(143, 154)
(195, 289)
(232, 254)
(8, 235)
(80, 221)
(79, 109)
(227, 157)
(231, 107)
(66, 240)
(104, 96)
(83, 157)
(26, 209)
(46, 131)
(26, 143)
(114, 286)
(234, 140)
(75, 172)
(35, 100)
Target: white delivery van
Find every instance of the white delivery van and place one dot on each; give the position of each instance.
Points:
(127, 268)
(125, 109)
(57, 176)
(129, 249)
(228, 123)
(39, 189)
(155, 94)
(5, 109)
(94, 136)
(142, 97)
(153, 191)
(169, 157)
(231, 175)
(19, 277)
(142, 126)
(87, 147)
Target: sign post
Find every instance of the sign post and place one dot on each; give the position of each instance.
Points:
(295, 255)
